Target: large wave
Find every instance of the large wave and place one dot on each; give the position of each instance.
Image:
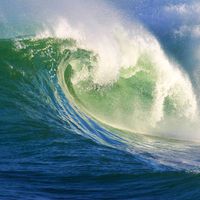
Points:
(117, 80)
(125, 80)
(34, 67)
(117, 72)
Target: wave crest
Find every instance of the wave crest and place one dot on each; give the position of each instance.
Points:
(125, 80)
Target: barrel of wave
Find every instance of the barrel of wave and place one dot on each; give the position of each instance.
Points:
(124, 79)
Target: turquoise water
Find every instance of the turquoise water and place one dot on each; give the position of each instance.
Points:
(98, 113)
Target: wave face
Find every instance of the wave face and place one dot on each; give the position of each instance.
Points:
(93, 109)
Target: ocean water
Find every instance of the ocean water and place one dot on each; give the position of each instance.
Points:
(99, 99)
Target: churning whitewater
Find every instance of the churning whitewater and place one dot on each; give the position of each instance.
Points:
(126, 81)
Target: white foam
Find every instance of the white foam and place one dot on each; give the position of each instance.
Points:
(119, 46)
